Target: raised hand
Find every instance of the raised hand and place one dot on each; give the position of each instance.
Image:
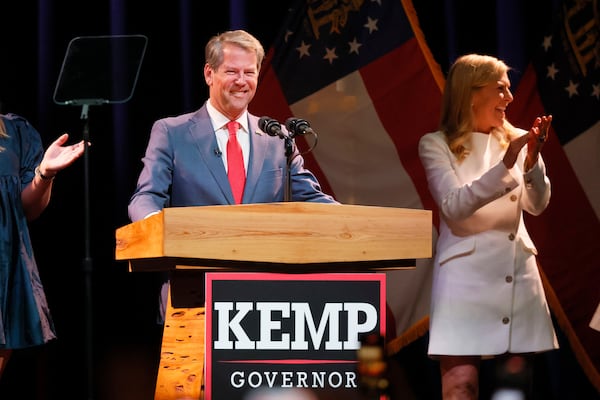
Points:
(58, 157)
(538, 135)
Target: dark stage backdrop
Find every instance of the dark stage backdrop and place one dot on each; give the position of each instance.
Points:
(125, 340)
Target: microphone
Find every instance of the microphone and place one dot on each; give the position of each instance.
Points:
(297, 126)
(271, 127)
(218, 152)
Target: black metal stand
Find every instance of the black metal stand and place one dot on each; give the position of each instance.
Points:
(96, 70)
(87, 264)
(289, 152)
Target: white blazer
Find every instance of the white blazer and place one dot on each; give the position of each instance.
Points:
(487, 294)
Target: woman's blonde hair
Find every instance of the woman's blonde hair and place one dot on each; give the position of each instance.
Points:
(468, 74)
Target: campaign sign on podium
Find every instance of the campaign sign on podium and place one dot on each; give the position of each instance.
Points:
(278, 331)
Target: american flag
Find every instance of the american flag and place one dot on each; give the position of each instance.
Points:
(368, 85)
(361, 73)
(563, 79)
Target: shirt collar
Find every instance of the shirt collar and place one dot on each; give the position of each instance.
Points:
(219, 120)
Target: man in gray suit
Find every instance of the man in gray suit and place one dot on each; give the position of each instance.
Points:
(185, 163)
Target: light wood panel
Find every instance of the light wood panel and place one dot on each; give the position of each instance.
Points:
(288, 233)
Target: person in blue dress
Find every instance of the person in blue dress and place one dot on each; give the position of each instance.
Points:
(26, 176)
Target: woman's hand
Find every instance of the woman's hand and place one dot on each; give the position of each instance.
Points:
(36, 196)
(513, 150)
(538, 135)
(535, 139)
(58, 157)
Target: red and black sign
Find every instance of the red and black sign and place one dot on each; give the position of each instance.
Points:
(288, 331)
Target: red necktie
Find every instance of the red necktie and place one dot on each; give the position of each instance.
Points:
(235, 163)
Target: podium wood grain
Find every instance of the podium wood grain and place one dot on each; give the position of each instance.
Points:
(181, 368)
(282, 233)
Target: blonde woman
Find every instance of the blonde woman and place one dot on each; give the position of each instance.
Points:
(487, 295)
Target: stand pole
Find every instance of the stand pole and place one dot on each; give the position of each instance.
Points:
(87, 260)
(289, 151)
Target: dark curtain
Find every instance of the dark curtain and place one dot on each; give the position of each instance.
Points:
(108, 346)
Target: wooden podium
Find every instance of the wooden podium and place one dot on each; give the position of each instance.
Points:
(289, 237)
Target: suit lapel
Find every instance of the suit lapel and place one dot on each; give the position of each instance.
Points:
(258, 149)
(203, 132)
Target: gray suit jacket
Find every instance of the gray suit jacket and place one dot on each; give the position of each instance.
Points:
(183, 167)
